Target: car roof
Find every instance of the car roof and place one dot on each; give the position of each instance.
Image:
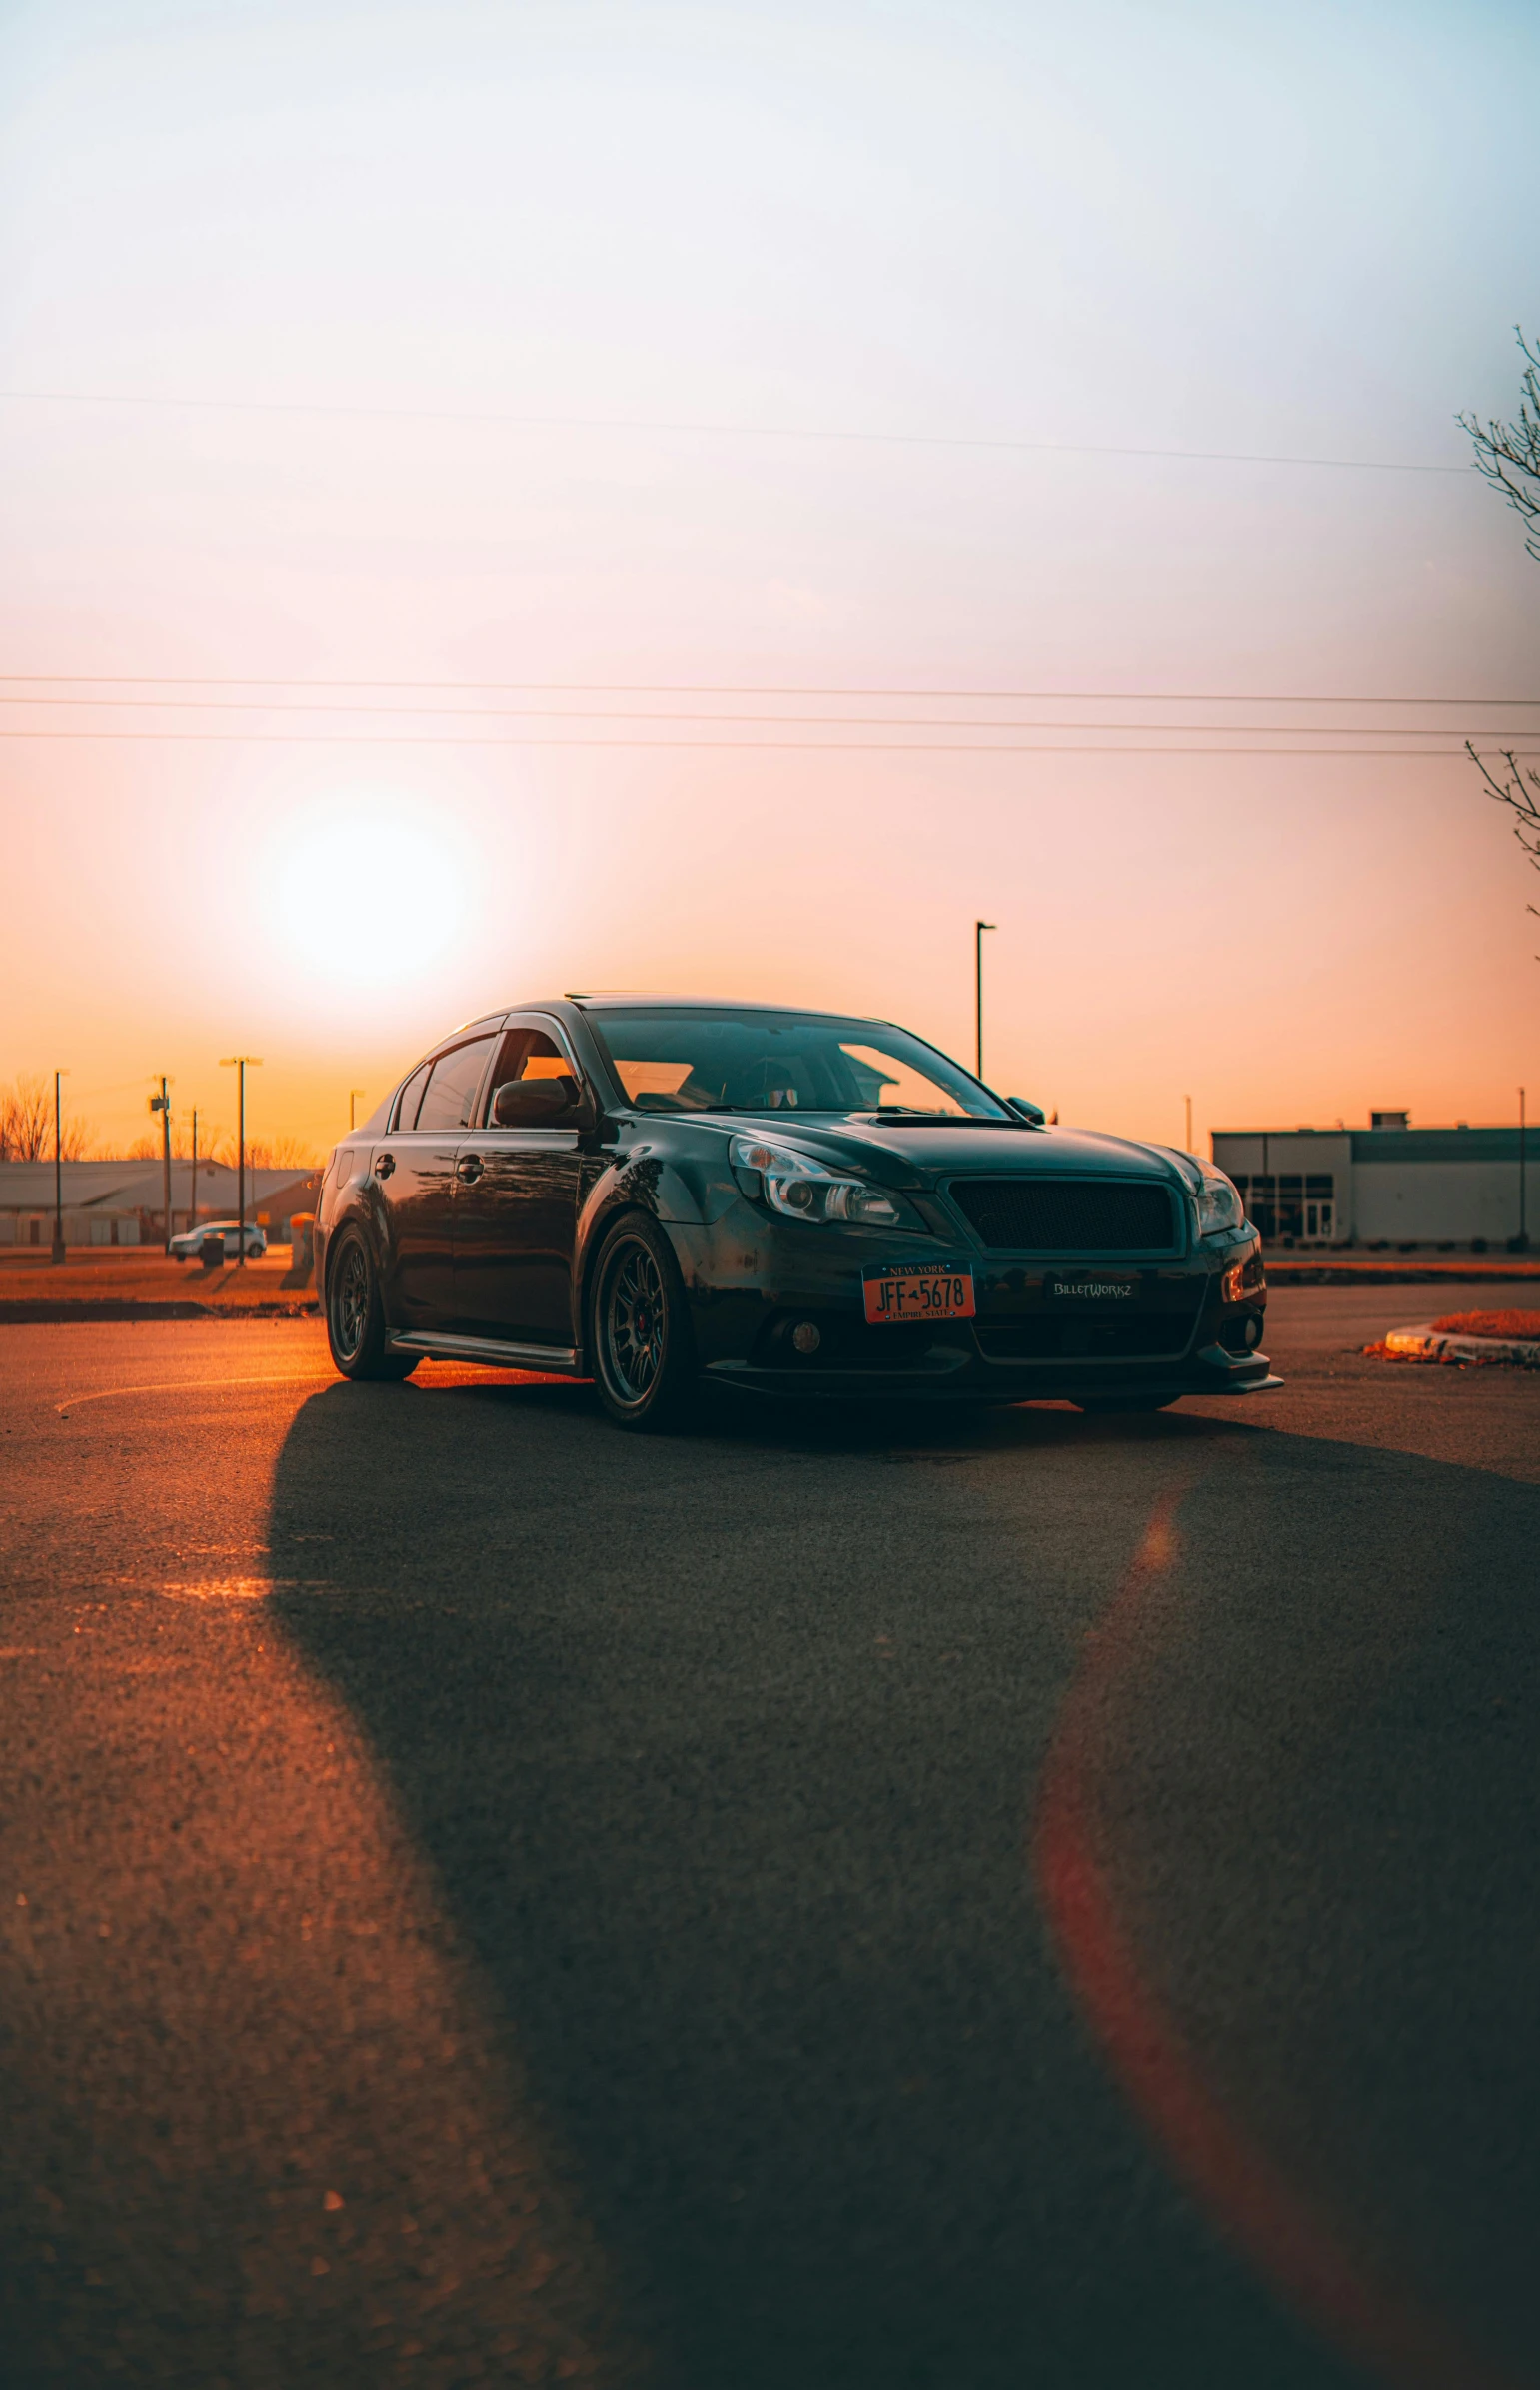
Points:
(603, 999)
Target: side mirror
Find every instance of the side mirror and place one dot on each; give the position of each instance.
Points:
(532, 1102)
(1029, 1110)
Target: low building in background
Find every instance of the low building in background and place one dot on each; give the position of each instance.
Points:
(121, 1202)
(1388, 1186)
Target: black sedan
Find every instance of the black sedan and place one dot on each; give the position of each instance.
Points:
(656, 1192)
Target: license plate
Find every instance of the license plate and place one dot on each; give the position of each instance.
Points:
(918, 1290)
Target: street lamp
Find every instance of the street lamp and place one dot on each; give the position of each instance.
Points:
(353, 1097)
(978, 993)
(58, 1245)
(241, 1063)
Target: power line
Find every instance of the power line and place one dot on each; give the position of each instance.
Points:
(728, 746)
(713, 431)
(852, 720)
(1166, 697)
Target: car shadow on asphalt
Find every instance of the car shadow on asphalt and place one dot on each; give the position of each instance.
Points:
(781, 1424)
(724, 1746)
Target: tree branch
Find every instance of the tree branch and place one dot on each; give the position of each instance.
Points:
(1508, 454)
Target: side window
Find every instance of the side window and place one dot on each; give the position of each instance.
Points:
(452, 1088)
(528, 1053)
(544, 1059)
(410, 1097)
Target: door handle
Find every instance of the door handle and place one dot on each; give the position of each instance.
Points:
(385, 1165)
(467, 1168)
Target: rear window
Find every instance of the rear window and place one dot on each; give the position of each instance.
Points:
(411, 1097)
(451, 1091)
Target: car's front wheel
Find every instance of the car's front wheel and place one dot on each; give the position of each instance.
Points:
(354, 1316)
(639, 1344)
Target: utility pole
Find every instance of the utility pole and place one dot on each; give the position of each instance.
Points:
(353, 1097)
(978, 995)
(58, 1246)
(1523, 1216)
(241, 1064)
(162, 1105)
(1187, 1100)
(192, 1208)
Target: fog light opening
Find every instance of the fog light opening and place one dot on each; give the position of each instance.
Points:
(1253, 1335)
(805, 1338)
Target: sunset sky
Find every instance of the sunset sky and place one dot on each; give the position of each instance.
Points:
(499, 500)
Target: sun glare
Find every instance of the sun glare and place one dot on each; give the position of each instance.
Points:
(353, 880)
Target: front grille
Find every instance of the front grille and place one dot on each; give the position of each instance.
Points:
(1068, 1215)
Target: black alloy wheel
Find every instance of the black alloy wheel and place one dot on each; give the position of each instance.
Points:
(355, 1320)
(642, 1352)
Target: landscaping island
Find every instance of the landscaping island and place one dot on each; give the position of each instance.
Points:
(1466, 1339)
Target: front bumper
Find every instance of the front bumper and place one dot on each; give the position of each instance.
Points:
(1188, 1328)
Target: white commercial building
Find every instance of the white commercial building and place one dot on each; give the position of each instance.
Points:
(1389, 1186)
(123, 1202)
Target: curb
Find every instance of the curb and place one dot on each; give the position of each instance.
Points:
(58, 1314)
(1423, 1344)
(1405, 1274)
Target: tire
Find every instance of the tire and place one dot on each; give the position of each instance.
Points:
(641, 1347)
(355, 1320)
(1103, 1406)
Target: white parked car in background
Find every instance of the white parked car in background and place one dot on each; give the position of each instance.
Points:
(188, 1246)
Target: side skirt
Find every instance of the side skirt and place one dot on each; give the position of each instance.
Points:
(556, 1360)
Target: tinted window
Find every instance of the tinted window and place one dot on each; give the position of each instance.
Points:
(722, 1060)
(410, 1097)
(528, 1053)
(452, 1089)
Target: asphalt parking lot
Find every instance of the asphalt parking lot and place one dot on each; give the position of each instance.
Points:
(930, 1903)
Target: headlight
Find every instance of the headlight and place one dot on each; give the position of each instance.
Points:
(802, 1188)
(1219, 1205)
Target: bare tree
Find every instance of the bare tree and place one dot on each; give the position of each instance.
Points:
(1519, 791)
(77, 1140)
(1509, 453)
(26, 1117)
(1509, 456)
(280, 1154)
(211, 1134)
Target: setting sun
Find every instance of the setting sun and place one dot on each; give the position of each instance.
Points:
(342, 879)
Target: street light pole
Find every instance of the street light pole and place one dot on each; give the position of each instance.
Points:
(1187, 1100)
(192, 1210)
(241, 1063)
(978, 995)
(58, 1245)
(353, 1097)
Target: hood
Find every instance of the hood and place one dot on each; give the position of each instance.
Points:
(900, 1157)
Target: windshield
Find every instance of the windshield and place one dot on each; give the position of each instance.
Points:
(721, 1061)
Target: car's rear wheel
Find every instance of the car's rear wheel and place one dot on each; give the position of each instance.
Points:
(355, 1317)
(639, 1343)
